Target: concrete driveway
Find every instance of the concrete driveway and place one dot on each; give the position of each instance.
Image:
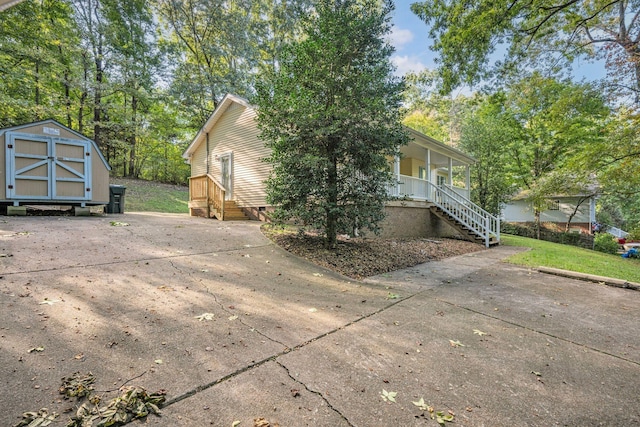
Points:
(297, 345)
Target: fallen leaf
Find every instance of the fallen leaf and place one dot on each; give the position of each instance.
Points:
(158, 361)
(313, 310)
(455, 343)
(537, 374)
(317, 274)
(205, 316)
(49, 301)
(420, 404)
(34, 349)
(389, 395)
(392, 296)
(235, 423)
(261, 422)
(479, 332)
(119, 224)
(233, 317)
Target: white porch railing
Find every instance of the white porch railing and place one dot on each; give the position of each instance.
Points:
(467, 213)
(450, 200)
(417, 189)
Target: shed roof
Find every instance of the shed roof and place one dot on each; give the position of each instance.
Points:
(58, 124)
(6, 4)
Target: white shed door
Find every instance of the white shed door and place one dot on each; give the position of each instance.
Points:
(47, 168)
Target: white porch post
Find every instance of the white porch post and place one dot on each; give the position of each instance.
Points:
(467, 180)
(396, 171)
(450, 172)
(427, 173)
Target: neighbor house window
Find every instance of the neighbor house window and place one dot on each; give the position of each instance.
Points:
(554, 205)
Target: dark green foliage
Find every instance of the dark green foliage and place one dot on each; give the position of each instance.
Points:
(331, 115)
(605, 242)
(529, 230)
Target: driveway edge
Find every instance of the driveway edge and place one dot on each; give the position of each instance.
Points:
(618, 283)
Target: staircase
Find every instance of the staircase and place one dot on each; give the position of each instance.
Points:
(232, 212)
(473, 222)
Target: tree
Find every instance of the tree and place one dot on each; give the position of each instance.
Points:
(468, 33)
(551, 123)
(485, 134)
(331, 116)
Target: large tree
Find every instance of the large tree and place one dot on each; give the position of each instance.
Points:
(468, 34)
(331, 116)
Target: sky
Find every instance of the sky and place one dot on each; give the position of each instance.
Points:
(410, 37)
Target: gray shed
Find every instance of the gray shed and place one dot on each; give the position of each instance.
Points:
(48, 163)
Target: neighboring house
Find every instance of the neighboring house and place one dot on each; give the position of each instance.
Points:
(228, 175)
(580, 209)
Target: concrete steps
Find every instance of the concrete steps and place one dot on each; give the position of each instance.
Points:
(467, 233)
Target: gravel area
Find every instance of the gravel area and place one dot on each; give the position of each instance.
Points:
(358, 257)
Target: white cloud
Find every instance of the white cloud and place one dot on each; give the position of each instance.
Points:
(406, 63)
(400, 37)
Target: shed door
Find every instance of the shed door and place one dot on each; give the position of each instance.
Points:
(47, 168)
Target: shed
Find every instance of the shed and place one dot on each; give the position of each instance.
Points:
(48, 163)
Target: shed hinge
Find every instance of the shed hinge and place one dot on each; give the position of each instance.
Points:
(10, 187)
(9, 145)
(88, 189)
(88, 154)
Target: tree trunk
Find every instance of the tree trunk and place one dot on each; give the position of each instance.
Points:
(97, 100)
(133, 173)
(536, 214)
(332, 199)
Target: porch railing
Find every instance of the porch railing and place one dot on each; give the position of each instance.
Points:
(417, 189)
(467, 213)
(205, 191)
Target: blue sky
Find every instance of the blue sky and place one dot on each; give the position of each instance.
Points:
(411, 39)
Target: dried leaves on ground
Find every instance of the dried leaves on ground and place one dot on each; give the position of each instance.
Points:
(359, 257)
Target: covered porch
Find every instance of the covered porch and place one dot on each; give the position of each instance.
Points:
(425, 164)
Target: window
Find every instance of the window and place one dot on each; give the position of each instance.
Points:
(422, 172)
(554, 205)
(442, 180)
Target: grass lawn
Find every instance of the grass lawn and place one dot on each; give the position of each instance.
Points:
(149, 196)
(555, 255)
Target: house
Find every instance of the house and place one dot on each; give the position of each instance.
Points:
(577, 209)
(47, 163)
(228, 174)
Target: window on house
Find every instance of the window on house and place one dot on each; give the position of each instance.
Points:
(422, 172)
(442, 180)
(554, 205)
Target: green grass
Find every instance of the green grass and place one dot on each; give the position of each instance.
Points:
(149, 196)
(565, 257)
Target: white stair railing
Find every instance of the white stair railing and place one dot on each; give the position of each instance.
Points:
(467, 213)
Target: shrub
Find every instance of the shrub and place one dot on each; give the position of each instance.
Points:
(605, 242)
(634, 233)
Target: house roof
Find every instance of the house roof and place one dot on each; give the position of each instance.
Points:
(6, 4)
(201, 136)
(425, 141)
(58, 124)
(420, 139)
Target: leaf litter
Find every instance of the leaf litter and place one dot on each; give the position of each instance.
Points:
(131, 402)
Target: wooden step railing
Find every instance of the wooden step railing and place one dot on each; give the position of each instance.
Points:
(206, 192)
(466, 213)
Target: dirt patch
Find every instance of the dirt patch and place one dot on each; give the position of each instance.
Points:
(358, 258)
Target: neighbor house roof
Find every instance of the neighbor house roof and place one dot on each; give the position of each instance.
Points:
(6, 4)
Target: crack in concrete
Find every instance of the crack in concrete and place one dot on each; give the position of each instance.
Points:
(101, 264)
(527, 328)
(274, 357)
(317, 393)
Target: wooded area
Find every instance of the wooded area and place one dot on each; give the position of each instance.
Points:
(141, 77)
(138, 77)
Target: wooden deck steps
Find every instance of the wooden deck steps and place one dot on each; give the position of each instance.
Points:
(233, 213)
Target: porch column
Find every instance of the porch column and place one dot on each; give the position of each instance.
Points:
(450, 173)
(396, 172)
(467, 180)
(427, 172)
